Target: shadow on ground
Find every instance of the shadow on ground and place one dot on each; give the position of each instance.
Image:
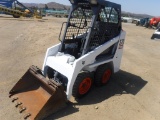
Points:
(121, 83)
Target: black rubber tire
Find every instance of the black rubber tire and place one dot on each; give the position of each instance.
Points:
(16, 16)
(153, 36)
(79, 80)
(100, 75)
(147, 25)
(137, 24)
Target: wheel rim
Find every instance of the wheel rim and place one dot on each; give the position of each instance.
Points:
(85, 85)
(106, 76)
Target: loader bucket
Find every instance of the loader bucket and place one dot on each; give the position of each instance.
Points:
(36, 97)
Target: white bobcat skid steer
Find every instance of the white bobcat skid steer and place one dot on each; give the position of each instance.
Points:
(92, 44)
(90, 52)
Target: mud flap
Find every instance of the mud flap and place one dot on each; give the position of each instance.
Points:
(36, 97)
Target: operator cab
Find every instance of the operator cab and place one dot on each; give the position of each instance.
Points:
(89, 26)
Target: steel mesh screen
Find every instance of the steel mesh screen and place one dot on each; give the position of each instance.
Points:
(106, 27)
(104, 32)
(79, 22)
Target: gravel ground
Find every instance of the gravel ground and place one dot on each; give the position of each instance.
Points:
(132, 94)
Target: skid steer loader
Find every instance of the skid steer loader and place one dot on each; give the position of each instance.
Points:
(90, 51)
(156, 34)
